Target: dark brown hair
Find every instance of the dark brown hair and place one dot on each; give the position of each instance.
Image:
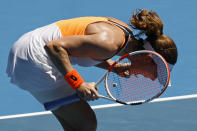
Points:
(150, 24)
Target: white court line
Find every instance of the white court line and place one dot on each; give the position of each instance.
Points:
(156, 100)
(100, 106)
(25, 115)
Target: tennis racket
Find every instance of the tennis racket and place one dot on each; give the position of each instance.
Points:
(135, 78)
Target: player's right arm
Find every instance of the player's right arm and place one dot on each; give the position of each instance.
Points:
(80, 46)
(100, 42)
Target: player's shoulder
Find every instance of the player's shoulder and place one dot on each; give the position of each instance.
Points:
(106, 34)
(119, 22)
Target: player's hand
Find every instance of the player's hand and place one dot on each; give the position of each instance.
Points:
(146, 68)
(122, 69)
(87, 91)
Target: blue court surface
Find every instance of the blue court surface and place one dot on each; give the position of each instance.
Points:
(175, 110)
(164, 114)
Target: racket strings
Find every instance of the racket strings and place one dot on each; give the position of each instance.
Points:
(139, 84)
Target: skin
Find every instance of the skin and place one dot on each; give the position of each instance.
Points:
(101, 41)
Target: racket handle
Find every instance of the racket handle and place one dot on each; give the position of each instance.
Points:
(60, 102)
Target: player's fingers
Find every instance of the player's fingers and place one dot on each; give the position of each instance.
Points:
(127, 73)
(95, 94)
(93, 84)
(88, 96)
(92, 98)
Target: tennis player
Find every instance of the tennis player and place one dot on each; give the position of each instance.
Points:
(41, 61)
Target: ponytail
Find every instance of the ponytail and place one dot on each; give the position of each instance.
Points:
(148, 22)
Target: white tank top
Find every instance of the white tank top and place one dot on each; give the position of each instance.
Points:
(28, 54)
(39, 37)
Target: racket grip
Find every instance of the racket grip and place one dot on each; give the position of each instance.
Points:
(60, 102)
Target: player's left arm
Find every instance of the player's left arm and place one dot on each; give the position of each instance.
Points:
(122, 69)
(105, 64)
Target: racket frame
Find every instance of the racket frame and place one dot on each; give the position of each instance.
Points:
(133, 102)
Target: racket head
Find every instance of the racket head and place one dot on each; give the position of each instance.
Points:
(147, 77)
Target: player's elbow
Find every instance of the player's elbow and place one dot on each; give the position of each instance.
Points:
(48, 47)
(51, 47)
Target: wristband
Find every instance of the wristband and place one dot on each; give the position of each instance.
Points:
(74, 79)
